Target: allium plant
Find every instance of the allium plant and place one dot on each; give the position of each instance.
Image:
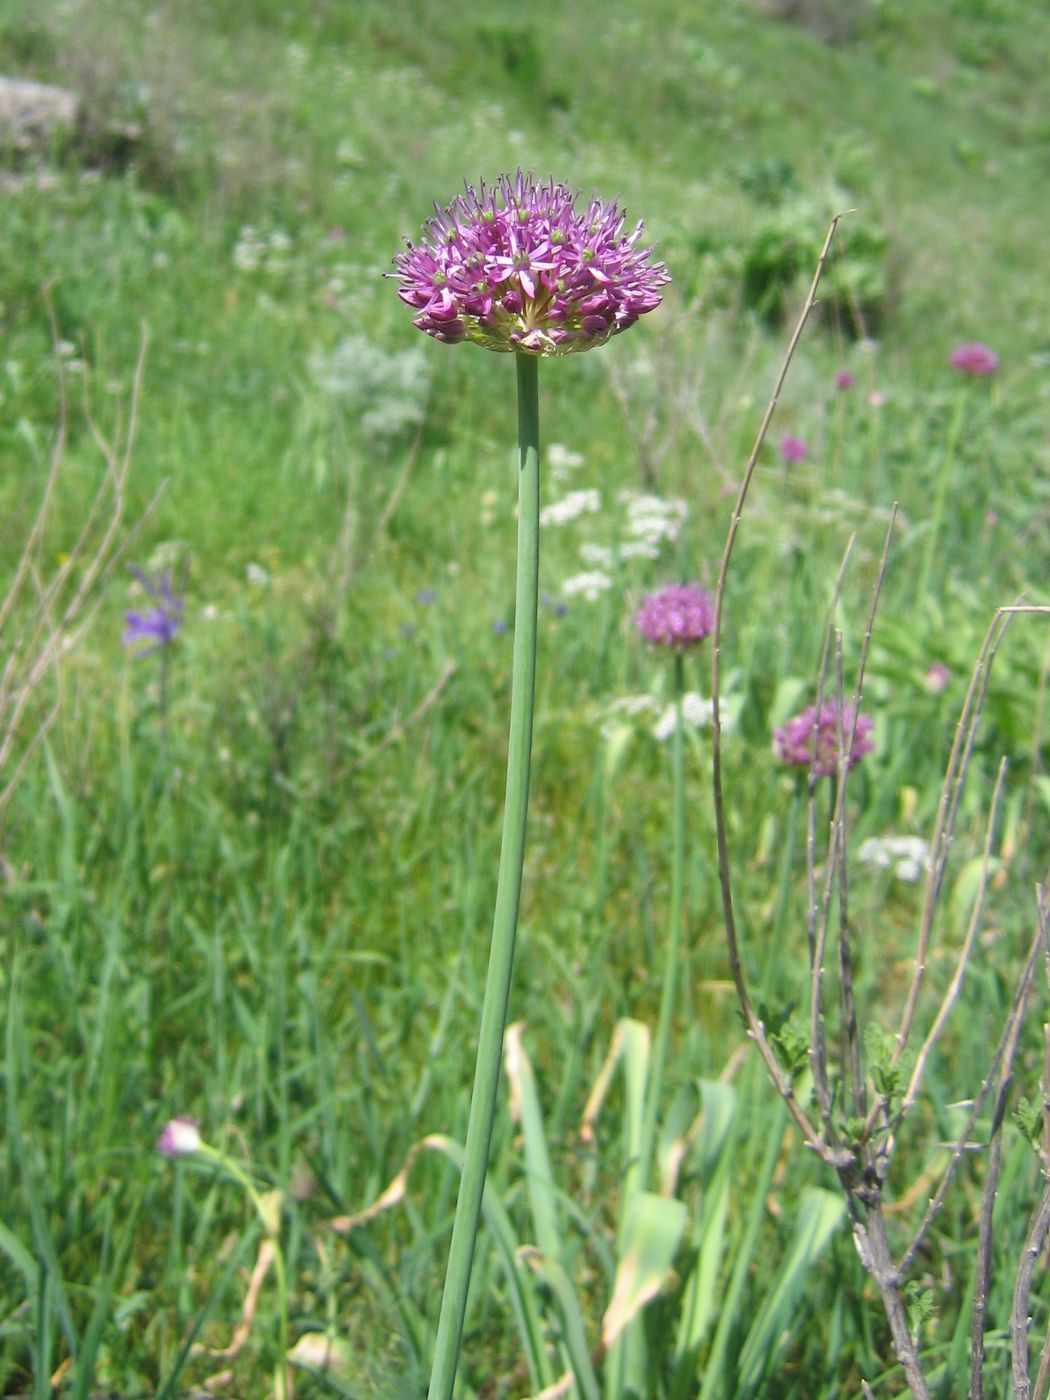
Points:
(181, 1139)
(516, 267)
(815, 738)
(974, 358)
(793, 449)
(677, 618)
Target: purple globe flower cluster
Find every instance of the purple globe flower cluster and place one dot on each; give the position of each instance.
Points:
(813, 731)
(974, 358)
(519, 268)
(677, 616)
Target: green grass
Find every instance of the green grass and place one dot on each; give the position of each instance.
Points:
(263, 898)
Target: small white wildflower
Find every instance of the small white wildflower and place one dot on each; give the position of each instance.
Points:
(560, 462)
(588, 584)
(571, 507)
(653, 518)
(640, 549)
(908, 855)
(257, 576)
(627, 707)
(696, 712)
(600, 555)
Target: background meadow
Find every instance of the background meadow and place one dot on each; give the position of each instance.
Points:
(250, 878)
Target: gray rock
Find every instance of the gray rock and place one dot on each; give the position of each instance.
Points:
(33, 114)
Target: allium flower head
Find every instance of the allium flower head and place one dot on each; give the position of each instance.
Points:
(518, 267)
(181, 1137)
(159, 625)
(845, 379)
(974, 358)
(812, 731)
(793, 449)
(677, 616)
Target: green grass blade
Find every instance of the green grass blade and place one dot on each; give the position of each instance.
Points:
(652, 1233)
(539, 1178)
(570, 1315)
(820, 1214)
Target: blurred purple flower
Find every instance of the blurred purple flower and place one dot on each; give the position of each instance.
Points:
(499, 628)
(809, 732)
(937, 677)
(425, 597)
(845, 379)
(518, 267)
(181, 1137)
(974, 358)
(158, 626)
(676, 616)
(793, 449)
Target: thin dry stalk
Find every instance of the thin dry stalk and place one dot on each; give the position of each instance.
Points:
(991, 1184)
(755, 1027)
(964, 1142)
(53, 613)
(951, 995)
(944, 826)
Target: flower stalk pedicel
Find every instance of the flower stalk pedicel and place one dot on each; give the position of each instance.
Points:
(677, 617)
(515, 268)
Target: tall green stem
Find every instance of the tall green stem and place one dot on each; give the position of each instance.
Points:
(508, 890)
(669, 991)
(939, 499)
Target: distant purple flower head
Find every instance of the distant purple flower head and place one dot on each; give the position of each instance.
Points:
(937, 677)
(518, 267)
(845, 379)
(499, 628)
(425, 597)
(677, 616)
(793, 449)
(808, 732)
(181, 1137)
(157, 626)
(974, 358)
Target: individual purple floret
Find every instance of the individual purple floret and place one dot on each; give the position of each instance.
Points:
(795, 743)
(518, 267)
(974, 358)
(159, 625)
(181, 1137)
(677, 616)
(793, 449)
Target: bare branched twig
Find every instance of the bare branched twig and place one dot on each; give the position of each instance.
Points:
(755, 1027)
(44, 613)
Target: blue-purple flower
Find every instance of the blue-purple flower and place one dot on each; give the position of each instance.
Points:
(519, 268)
(677, 616)
(818, 732)
(157, 626)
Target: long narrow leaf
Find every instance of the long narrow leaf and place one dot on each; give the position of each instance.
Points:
(819, 1216)
(570, 1315)
(525, 1107)
(652, 1233)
